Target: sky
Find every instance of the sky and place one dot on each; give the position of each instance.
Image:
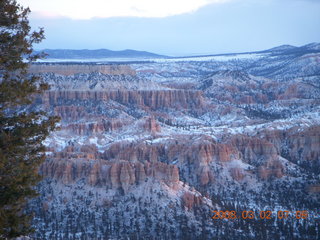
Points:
(175, 27)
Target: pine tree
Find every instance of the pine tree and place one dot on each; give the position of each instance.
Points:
(21, 132)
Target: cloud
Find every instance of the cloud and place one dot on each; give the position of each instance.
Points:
(84, 9)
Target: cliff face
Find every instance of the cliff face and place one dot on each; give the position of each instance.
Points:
(151, 125)
(197, 156)
(100, 126)
(189, 200)
(71, 69)
(252, 148)
(305, 145)
(118, 174)
(152, 99)
(298, 146)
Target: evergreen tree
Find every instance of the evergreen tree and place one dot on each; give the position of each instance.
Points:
(21, 132)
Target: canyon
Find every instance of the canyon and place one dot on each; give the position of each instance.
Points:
(148, 150)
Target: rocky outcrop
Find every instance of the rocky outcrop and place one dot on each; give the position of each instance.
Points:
(195, 154)
(305, 145)
(100, 126)
(133, 152)
(145, 99)
(299, 146)
(199, 152)
(71, 69)
(112, 174)
(237, 173)
(164, 172)
(253, 148)
(70, 113)
(205, 176)
(122, 175)
(270, 169)
(189, 200)
(151, 125)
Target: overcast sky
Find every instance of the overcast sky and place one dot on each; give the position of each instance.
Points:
(175, 27)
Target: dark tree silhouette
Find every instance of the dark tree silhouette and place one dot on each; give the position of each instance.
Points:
(21, 131)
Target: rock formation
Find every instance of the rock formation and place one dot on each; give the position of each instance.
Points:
(112, 174)
(71, 69)
(151, 99)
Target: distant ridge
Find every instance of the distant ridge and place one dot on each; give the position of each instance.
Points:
(282, 48)
(279, 50)
(129, 55)
(96, 54)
